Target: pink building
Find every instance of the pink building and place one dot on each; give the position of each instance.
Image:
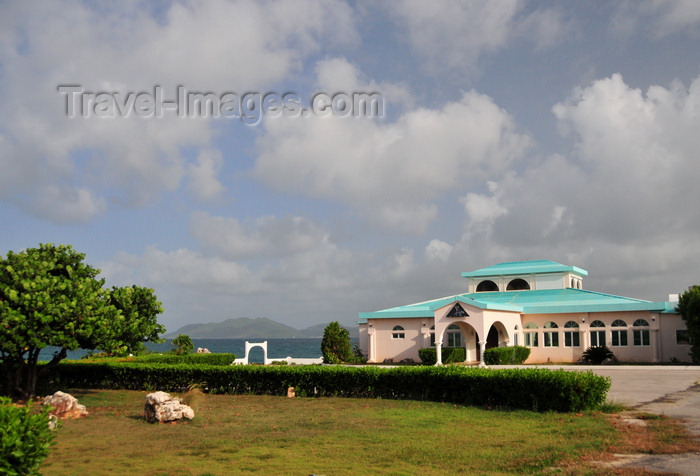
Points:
(539, 304)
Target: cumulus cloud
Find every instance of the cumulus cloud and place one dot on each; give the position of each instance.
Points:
(392, 172)
(204, 182)
(455, 34)
(128, 48)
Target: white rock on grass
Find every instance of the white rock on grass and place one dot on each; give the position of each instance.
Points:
(161, 407)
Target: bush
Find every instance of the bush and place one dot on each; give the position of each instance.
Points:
(596, 355)
(335, 345)
(514, 355)
(197, 359)
(529, 389)
(450, 355)
(182, 344)
(25, 439)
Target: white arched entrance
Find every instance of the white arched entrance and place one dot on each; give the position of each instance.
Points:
(250, 345)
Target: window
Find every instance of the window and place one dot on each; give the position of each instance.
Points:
(551, 338)
(573, 283)
(572, 336)
(641, 336)
(531, 336)
(432, 336)
(682, 337)
(486, 286)
(454, 336)
(515, 336)
(517, 284)
(457, 311)
(597, 337)
(619, 336)
(398, 333)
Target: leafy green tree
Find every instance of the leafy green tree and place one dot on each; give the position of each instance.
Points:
(335, 345)
(689, 309)
(139, 310)
(182, 344)
(50, 297)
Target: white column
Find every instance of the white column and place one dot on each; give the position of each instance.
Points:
(482, 348)
(438, 350)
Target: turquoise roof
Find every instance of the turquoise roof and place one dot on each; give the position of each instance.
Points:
(524, 267)
(546, 301)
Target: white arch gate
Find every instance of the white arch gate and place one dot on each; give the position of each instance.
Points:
(250, 345)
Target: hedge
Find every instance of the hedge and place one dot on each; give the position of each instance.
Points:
(209, 359)
(506, 355)
(530, 389)
(428, 355)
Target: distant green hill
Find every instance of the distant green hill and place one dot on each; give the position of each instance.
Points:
(247, 328)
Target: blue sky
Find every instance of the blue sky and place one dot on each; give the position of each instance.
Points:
(512, 130)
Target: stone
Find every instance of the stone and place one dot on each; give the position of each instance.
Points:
(291, 393)
(161, 407)
(65, 406)
(204, 350)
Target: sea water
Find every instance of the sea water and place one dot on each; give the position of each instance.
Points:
(303, 348)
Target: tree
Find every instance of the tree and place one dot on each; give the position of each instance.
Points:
(50, 297)
(689, 309)
(139, 310)
(335, 345)
(182, 344)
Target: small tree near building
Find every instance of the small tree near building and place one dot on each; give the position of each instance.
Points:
(335, 345)
(689, 309)
(182, 344)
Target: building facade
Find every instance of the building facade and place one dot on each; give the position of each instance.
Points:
(538, 304)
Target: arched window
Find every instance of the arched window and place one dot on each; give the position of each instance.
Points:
(517, 284)
(572, 336)
(619, 336)
(486, 286)
(531, 335)
(641, 336)
(454, 336)
(551, 337)
(432, 336)
(578, 284)
(398, 333)
(573, 283)
(515, 335)
(597, 337)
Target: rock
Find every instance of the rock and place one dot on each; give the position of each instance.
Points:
(204, 350)
(291, 393)
(65, 406)
(161, 407)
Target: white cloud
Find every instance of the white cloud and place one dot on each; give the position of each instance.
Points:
(392, 172)
(454, 35)
(438, 250)
(204, 182)
(212, 45)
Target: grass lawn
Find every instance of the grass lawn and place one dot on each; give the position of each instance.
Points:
(276, 435)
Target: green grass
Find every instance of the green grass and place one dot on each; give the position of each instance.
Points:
(277, 435)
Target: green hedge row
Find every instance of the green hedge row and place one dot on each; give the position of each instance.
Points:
(450, 355)
(513, 355)
(530, 389)
(197, 359)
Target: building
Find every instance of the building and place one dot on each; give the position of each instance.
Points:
(539, 304)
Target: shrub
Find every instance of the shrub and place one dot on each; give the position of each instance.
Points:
(596, 355)
(335, 345)
(506, 355)
(529, 389)
(25, 439)
(182, 344)
(450, 355)
(198, 359)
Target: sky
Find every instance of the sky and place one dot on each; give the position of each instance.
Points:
(509, 130)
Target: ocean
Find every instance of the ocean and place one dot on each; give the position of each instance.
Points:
(308, 348)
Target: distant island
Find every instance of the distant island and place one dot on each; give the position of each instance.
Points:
(253, 328)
